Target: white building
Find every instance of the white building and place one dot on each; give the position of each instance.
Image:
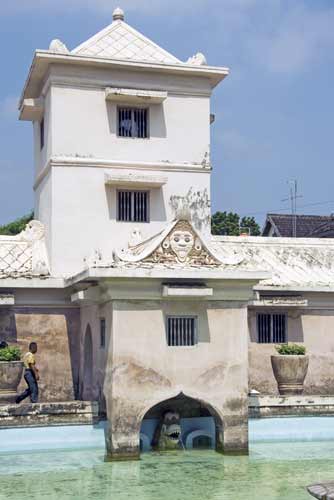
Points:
(120, 281)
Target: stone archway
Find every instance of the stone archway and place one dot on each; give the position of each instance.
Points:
(87, 372)
(197, 418)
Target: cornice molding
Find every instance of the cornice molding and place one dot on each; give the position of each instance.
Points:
(80, 162)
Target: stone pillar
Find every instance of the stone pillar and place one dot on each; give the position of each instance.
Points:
(236, 430)
(123, 431)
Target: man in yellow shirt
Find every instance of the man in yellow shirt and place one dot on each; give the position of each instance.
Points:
(31, 375)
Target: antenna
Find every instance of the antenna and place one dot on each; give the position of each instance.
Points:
(293, 195)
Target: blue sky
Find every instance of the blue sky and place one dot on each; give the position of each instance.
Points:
(274, 113)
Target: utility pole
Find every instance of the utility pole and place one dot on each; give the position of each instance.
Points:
(293, 195)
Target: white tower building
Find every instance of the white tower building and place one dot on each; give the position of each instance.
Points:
(121, 139)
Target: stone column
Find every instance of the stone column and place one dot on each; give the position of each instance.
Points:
(236, 429)
(123, 431)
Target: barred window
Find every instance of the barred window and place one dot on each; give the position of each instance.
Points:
(182, 331)
(133, 206)
(102, 333)
(271, 328)
(133, 122)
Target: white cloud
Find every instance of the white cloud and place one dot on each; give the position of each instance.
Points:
(282, 37)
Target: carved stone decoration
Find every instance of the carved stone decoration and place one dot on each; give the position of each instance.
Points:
(94, 259)
(198, 59)
(135, 238)
(167, 435)
(182, 246)
(58, 47)
(34, 231)
(24, 254)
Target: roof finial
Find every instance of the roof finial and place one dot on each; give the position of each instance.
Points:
(118, 14)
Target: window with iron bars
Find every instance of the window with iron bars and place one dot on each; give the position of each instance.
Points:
(271, 328)
(133, 206)
(133, 122)
(182, 331)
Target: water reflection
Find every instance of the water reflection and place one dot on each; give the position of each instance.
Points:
(275, 471)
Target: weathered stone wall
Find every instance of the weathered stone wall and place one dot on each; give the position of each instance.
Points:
(312, 327)
(45, 414)
(56, 331)
(90, 320)
(142, 370)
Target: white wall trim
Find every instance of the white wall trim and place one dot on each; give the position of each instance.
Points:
(75, 162)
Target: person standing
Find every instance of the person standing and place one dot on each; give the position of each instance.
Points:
(31, 375)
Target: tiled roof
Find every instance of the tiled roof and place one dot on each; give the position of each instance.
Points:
(308, 226)
(121, 41)
(292, 262)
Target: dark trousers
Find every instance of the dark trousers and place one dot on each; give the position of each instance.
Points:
(32, 389)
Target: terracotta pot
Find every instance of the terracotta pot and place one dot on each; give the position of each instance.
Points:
(10, 377)
(290, 372)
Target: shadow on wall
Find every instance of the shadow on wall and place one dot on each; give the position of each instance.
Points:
(294, 326)
(87, 391)
(8, 331)
(94, 357)
(57, 335)
(157, 206)
(156, 119)
(260, 373)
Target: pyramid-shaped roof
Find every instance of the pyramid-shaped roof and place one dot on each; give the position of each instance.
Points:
(121, 41)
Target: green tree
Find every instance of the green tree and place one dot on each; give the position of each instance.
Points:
(229, 223)
(17, 225)
(254, 228)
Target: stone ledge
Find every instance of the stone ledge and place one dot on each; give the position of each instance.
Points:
(58, 413)
(286, 406)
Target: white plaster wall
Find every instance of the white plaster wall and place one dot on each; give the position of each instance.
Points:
(143, 370)
(312, 327)
(84, 213)
(41, 156)
(81, 216)
(85, 124)
(43, 209)
(140, 334)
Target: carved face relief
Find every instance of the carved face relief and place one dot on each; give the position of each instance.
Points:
(182, 242)
(182, 246)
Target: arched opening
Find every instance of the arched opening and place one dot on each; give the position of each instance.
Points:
(199, 439)
(202, 441)
(182, 422)
(88, 366)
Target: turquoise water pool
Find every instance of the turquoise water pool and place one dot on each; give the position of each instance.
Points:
(285, 456)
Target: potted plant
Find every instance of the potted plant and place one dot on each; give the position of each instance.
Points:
(290, 368)
(10, 373)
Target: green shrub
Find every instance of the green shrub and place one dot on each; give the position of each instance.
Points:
(291, 349)
(10, 353)
(16, 226)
